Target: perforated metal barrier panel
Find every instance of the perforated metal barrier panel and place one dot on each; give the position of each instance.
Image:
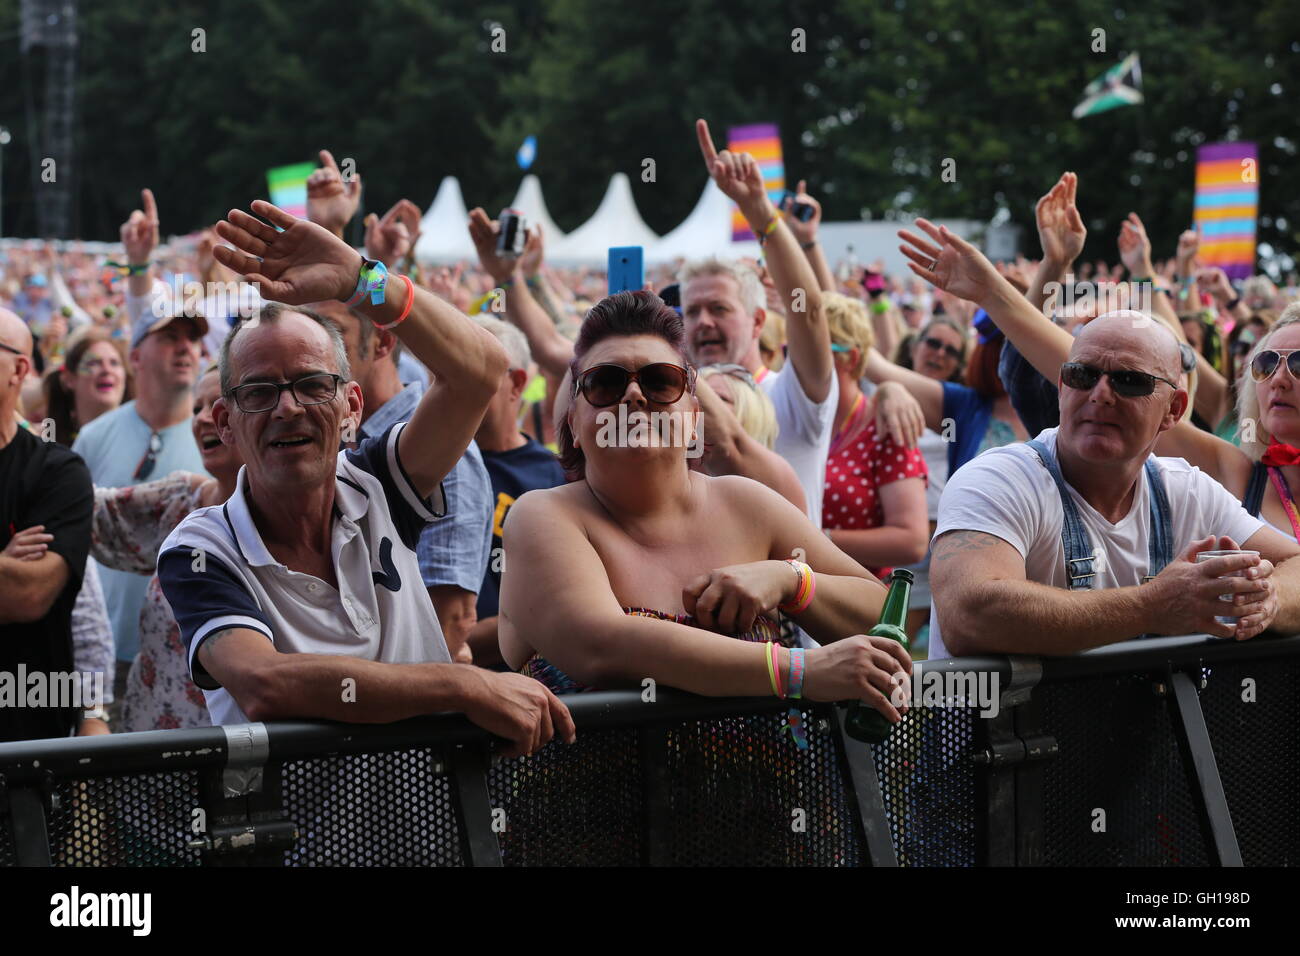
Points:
(1117, 794)
(1251, 711)
(731, 790)
(928, 780)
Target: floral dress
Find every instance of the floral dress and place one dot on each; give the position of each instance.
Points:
(130, 524)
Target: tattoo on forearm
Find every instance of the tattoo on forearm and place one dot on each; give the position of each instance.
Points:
(958, 545)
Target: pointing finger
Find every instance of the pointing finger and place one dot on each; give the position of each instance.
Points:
(327, 160)
(706, 143)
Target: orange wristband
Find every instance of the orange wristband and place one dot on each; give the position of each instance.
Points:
(410, 301)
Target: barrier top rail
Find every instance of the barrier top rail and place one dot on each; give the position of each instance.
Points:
(209, 746)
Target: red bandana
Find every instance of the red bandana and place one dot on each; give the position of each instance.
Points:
(1280, 455)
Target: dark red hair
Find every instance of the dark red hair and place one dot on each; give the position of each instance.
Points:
(619, 315)
(982, 372)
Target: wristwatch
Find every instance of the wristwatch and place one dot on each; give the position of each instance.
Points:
(372, 280)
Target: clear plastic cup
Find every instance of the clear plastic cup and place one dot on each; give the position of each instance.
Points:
(1209, 555)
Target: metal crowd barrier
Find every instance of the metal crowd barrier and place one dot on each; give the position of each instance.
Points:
(1163, 752)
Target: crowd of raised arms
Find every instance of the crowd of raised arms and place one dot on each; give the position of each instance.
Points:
(362, 489)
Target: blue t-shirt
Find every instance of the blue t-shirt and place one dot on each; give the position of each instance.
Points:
(113, 446)
(513, 472)
(970, 414)
(1034, 398)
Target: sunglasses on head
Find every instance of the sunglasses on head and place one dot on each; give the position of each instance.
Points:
(939, 345)
(660, 382)
(150, 459)
(1127, 383)
(1263, 365)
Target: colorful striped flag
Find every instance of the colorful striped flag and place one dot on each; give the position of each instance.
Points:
(288, 187)
(763, 142)
(1227, 203)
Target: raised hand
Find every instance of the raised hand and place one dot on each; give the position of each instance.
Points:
(392, 238)
(530, 261)
(805, 232)
(1215, 281)
(1188, 244)
(331, 202)
(483, 231)
(445, 282)
(1060, 229)
(305, 263)
(954, 265)
(738, 176)
(1135, 247)
(140, 231)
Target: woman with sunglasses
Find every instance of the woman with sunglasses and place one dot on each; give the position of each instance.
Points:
(634, 569)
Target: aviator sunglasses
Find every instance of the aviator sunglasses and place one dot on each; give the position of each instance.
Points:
(660, 382)
(1263, 365)
(1128, 383)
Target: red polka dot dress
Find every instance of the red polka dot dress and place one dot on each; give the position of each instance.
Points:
(859, 464)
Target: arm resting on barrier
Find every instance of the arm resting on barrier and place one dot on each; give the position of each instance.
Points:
(565, 607)
(986, 605)
(270, 685)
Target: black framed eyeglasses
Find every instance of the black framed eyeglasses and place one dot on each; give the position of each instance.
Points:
(10, 348)
(661, 382)
(309, 390)
(940, 345)
(1128, 383)
(1265, 364)
(150, 459)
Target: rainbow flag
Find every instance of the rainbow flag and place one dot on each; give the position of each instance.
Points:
(763, 142)
(288, 187)
(1227, 202)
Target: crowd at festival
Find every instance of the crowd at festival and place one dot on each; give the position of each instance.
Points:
(336, 483)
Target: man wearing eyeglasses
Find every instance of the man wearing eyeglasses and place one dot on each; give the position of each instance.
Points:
(1030, 535)
(144, 440)
(301, 596)
(44, 488)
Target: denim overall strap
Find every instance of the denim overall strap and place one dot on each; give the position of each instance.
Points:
(1079, 558)
(1160, 541)
(1253, 499)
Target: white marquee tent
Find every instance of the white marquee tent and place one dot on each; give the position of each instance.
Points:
(615, 222)
(444, 234)
(529, 201)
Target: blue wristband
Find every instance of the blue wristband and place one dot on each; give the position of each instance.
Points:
(372, 280)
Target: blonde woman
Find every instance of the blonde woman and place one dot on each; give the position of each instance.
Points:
(736, 387)
(874, 506)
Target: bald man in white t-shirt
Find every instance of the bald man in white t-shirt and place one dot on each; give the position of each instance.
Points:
(999, 568)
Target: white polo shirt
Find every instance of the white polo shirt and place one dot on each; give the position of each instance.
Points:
(216, 572)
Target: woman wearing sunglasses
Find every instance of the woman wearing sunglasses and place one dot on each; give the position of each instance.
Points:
(634, 569)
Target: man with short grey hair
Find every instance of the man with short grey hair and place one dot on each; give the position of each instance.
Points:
(301, 596)
(722, 307)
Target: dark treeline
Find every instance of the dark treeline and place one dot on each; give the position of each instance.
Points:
(871, 99)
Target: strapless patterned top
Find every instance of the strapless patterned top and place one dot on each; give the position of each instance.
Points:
(764, 631)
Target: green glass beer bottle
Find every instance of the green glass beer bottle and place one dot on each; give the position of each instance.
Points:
(863, 722)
